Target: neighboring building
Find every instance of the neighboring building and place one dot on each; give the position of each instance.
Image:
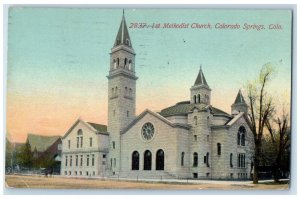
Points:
(191, 139)
(45, 148)
(85, 148)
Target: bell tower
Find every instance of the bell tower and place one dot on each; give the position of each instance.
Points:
(200, 92)
(121, 93)
(239, 104)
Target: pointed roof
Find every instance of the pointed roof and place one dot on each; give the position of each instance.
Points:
(239, 98)
(123, 37)
(200, 78)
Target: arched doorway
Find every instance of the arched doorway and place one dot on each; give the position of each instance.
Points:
(135, 161)
(160, 160)
(147, 160)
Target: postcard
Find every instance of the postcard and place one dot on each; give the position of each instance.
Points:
(141, 98)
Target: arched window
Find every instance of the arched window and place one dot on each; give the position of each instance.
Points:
(129, 64)
(195, 99)
(135, 161)
(207, 159)
(195, 120)
(118, 62)
(198, 98)
(219, 148)
(160, 160)
(195, 162)
(125, 62)
(147, 160)
(127, 42)
(231, 156)
(79, 132)
(115, 64)
(241, 136)
(182, 159)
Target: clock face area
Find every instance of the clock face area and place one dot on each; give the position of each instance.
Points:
(147, 131)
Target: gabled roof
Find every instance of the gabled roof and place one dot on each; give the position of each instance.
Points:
(138, 118)
(40, 142)
(234, 120)
(183, 108)
(200, 79)
(97, 128)
(123, 37)
(239, 98)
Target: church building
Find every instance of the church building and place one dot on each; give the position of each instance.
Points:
(191, 139)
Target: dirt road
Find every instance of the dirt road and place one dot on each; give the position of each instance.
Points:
(58, 182)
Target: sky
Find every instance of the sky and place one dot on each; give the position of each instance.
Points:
(58, 60)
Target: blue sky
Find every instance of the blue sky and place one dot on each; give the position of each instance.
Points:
(58, 59)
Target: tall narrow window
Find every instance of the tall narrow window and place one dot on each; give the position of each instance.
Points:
(66, 161)
(76, 161)
(129, 64)
(115, 64)
(241, 160)
(219, 148)
(147, 160)
(198, 98)
(81, 160)
(69, 143)
(77, 143)
(118, 62)
(93, 160)
(70, 160)
(160, 160)
(231, 163)
(241, 136)
(81, 142)
(135, 161)
(195, 158)
(113, 144)
(87, 160)
(130, 92)
(207, 159)
(195, 137)
(195, 120)
(243, 139)
(182, 158)
(115, 162)
(91, 142)
(195, 99)
(125, 62)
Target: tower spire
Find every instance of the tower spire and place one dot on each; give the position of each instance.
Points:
(123, 37)
(200, 78)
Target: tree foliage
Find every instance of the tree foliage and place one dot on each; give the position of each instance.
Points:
(24, 156)
(261, 110)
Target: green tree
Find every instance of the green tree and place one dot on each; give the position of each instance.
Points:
(280, 134)
(24, 156)
(9, 149)
(261, 110)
